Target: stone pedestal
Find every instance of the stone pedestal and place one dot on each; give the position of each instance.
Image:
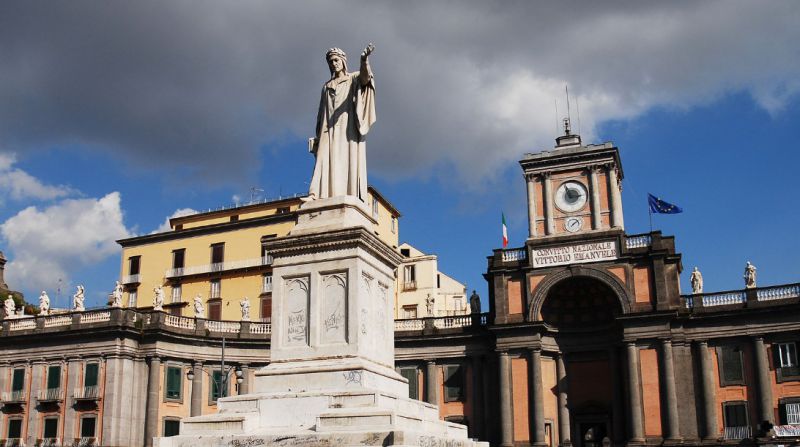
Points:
(331, 380)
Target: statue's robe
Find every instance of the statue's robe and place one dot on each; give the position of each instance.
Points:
(346, 112)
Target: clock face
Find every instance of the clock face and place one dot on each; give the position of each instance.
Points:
(573, 224)
(571, 196)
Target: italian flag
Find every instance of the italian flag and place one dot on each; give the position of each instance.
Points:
(505, 231)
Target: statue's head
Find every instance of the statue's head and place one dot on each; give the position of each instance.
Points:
(337, 60)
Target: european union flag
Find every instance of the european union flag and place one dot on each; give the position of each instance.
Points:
(659, 206)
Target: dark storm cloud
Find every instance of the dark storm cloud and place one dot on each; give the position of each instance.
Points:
(201, 85)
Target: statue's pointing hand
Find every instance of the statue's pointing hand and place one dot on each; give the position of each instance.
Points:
(367, 51)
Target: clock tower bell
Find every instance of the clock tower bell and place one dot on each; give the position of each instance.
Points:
(573, 189)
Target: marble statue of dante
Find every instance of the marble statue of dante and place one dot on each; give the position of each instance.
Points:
(199, 309)
(697, 281)
(44, 304)
(9, 306)
(116, 295)
(158, 298)
(78, 298)
(245, 305)
(749, 275)
(346, 112)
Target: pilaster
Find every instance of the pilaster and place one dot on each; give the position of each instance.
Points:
(763, 381)
(151, 415)
(548, 204)
(531, 186)
(537, 396)
(670, 400)
(596, 221)
(506, 411)
(709, 392)
(196, 404)
(564, 425)
(634, 394)
(614, 197)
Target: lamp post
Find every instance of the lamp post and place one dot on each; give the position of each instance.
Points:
(222, 385)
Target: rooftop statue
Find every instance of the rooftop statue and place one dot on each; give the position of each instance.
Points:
(749, 275)
(78, 299)
(9, 306)
(245, 305)
(346, 112)
(158, 298)
(44, 304)
(199, 310)
(697, 281)
(475, 303)
(116, 295)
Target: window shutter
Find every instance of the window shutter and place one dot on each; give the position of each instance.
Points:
(53, 377)
(452, 383)
(87, 427)
(173, 383)
(90, 378)
(732, 370)
(50, 428)
(413, 381)
(18, 383)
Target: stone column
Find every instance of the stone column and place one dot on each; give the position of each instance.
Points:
(531, 205)
(431, 383)
(197, 390)
(537, 396)
(244, 387)
(548, 205)
(74, 367)
(506, 412)
(614, 197)
(153, 388)
(38, 376)
(476, 424)
(563, 411)
(634, 394)
(763, 381)
(709, 392)
(618, 397)
(596, 222)
(671, 398)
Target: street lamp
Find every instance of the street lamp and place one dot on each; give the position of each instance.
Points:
(222, 385)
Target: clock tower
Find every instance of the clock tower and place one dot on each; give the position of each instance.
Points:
(573, 189)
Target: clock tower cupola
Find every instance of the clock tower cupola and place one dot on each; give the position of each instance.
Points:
(573, 188)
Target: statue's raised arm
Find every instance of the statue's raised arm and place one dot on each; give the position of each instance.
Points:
(365, 72)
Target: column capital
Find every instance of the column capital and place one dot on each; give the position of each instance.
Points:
(430, 362)
(758, 338)
(593, 168)
(546, 174)
(703, 343)
(533, 349)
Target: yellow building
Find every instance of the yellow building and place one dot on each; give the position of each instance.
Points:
(424, 291)
(219, 256)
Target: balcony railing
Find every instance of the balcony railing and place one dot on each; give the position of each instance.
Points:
(12, 442)
(50, 395)
(410, 285)
(458, 321)
(85, 442)
(218, 267)
(132, 279)
(737, 432)
(95, 316)
(228, 327)
(516, 254)
(260, 328)
(22, 324)
(48, 442)
(733, 297)
(180, 322)
(87, 393)
(638, 241)
(13, 397)
(266, 286)
(57, 320)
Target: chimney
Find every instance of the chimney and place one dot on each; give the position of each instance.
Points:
(3, 284)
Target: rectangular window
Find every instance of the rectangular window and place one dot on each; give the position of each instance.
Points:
(410, 312)
(216, 289)
(133, 265)
(789, 411)
(458, 305)
(453, 383)
(90, 374)
(411, 374)
(18, 380)
(438, 280)
(394, 225)
(215, 311)
(174, 377)
(217, 256)
(405, 252)
(735, 420)
(731, 365)
(14, 428)
(87, 426)
(54, 377)
(235, 218)
(375, 207)
(266, 283)
(217, 388)
(282, 210)
(177, 291)
(787, 354)
(132, 295)
(409, 277)
(175, 311)
(50, 428)
(266, 309)
(171, 427)
(178, 258)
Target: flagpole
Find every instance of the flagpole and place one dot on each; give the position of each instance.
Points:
(650, 212)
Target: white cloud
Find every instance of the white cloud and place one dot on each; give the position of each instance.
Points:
(178, 213)
(56, 241)
(19, 185)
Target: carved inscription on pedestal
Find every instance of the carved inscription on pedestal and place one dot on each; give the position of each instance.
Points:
(296, 315)
(334, 308)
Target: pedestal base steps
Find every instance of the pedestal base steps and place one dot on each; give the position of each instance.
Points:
(341, 417)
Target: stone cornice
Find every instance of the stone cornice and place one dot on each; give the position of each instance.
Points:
(355, 237)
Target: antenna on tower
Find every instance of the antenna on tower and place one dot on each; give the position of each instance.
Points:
(254, 192)
(555, 101)
(578, 110)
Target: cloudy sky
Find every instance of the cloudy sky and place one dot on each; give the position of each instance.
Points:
(116, 115)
